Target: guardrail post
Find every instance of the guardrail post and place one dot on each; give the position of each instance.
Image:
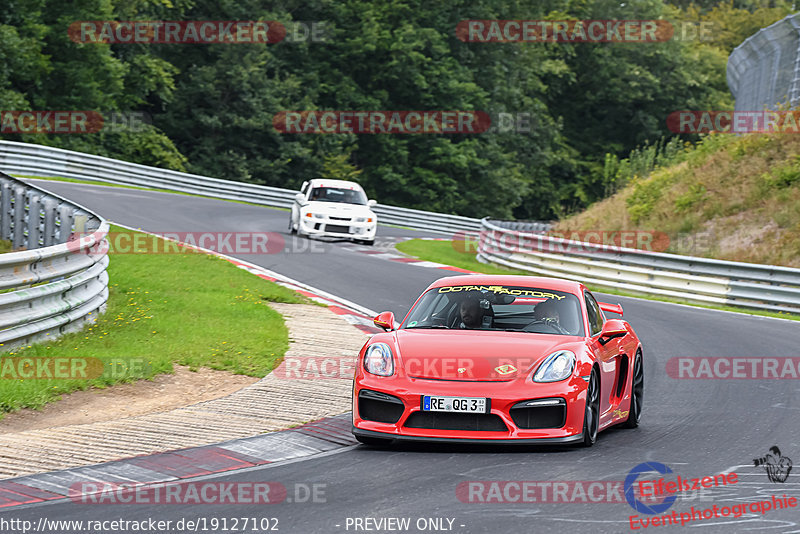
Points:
(34, 220)
(18, 218)
(49, 234)
(64, 224)
(5, 210)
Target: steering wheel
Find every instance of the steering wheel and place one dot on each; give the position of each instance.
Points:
(550, 324)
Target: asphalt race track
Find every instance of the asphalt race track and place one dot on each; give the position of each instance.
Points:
(697, 427)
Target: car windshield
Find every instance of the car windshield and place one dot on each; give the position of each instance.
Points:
(338, 194)
(497, 307)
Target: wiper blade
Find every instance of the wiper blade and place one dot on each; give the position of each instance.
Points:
(426, 326)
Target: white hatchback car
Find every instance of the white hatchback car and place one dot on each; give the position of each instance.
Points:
(333, 208)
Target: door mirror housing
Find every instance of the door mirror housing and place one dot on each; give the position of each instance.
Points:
(372, 203)
(385, 320)
(612, 328)
(300, 197)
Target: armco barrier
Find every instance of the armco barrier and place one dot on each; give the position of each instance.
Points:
(37, 160)
(699, 280)
(49, 284)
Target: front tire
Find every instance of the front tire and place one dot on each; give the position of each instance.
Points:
(637, 393)
(591, 415)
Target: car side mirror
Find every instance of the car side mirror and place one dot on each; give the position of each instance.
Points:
(300, 197)
(385, 320)
(372, 203)
(612, 328)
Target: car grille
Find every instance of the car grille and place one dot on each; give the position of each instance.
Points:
(337, 228)
(340, 219)
(542, 416)
(481, 422)
(379, 407)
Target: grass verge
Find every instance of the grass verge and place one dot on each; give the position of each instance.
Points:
(454, 254)
(187, 308)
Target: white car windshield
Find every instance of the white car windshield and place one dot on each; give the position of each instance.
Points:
(495, 307)
(337, 194)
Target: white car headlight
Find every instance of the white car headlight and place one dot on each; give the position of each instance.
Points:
(319, 216)
(557, 366)
(379, 360)
(361, 219)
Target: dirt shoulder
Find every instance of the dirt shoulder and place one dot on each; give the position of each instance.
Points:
(164, 392)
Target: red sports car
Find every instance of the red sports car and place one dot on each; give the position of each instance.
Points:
(484, 358)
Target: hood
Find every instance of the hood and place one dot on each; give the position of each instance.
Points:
(471, 355)
(339, 209)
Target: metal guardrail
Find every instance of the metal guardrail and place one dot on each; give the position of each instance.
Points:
(699, 280)
(38, 160)
(51, 283)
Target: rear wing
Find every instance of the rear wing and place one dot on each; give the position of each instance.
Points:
(613, 308)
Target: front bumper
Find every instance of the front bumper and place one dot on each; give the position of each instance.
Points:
(332, 228)
(499, 425)
(499, 441)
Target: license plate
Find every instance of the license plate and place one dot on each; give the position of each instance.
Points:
(431, 403)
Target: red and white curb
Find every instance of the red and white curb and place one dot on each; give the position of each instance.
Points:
(183, 464)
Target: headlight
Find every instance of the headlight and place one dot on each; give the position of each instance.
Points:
(361, 219)
(557, 366)
(319, 216)
(379, 360)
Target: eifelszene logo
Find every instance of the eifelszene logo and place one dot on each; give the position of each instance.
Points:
(630, 484)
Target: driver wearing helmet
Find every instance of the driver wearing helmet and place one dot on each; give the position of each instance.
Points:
(547, 313)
